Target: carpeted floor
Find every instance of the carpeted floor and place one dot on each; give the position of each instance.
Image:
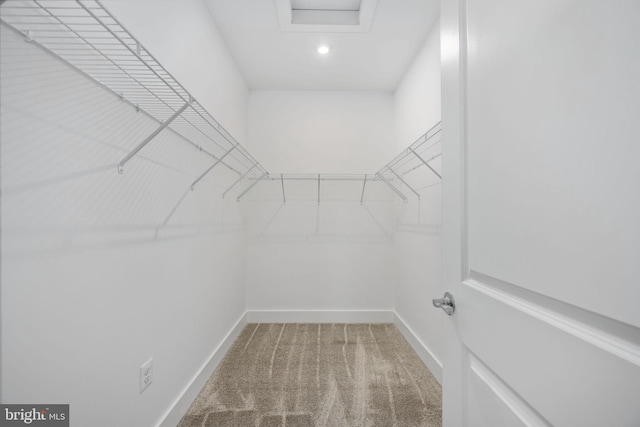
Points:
(295, 375)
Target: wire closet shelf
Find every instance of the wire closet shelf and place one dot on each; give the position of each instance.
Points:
(88, 38)
(85, 36)
(422, 153)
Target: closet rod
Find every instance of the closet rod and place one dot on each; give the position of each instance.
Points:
(314, 177)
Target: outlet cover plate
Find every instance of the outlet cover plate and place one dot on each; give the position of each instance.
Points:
(146, 374)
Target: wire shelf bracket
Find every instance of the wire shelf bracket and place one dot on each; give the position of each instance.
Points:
(241, 195)
(284, 198)
(404, 182)
(415, 156)
(426, 163)
(217, 162)
(393, 187)
(153, 134)
(364, 185)
(243, 176)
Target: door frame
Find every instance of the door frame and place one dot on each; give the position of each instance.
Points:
(455, 267)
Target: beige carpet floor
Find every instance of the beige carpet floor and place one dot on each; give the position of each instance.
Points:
(295, 375)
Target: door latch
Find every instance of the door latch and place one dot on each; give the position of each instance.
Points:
(447, 303)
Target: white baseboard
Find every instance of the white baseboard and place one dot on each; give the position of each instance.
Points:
(428, 358)
(319, 316)
(174, 414)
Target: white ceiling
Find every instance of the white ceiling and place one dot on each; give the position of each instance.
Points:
(272, 58)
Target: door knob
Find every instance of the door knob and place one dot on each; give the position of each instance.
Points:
(446, 303)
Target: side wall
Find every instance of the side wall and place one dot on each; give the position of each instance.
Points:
(417, 246)
(336, 255)
(102, 271)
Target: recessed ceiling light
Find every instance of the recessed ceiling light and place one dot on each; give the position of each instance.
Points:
(323, 49)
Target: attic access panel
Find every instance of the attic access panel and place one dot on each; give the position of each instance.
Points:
(326, 4)
(327, 16)
(331, 12)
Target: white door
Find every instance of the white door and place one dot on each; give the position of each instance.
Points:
(541, 212)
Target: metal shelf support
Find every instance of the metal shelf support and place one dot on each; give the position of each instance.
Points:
(391, 186)
(239, 179)
(212, 166)
(251, 186)
(152, 135)
(284, 198)
(364, 184)
(404, 182)
(425, 162)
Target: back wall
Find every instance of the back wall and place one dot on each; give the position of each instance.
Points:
(321, 131)
(331, 256)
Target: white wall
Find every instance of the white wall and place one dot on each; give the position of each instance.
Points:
(101, 271)
(417, 97)
(321, 131)
(417, 246)
(336, 255)
(332, 256)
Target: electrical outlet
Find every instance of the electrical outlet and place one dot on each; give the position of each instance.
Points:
(146, 374)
